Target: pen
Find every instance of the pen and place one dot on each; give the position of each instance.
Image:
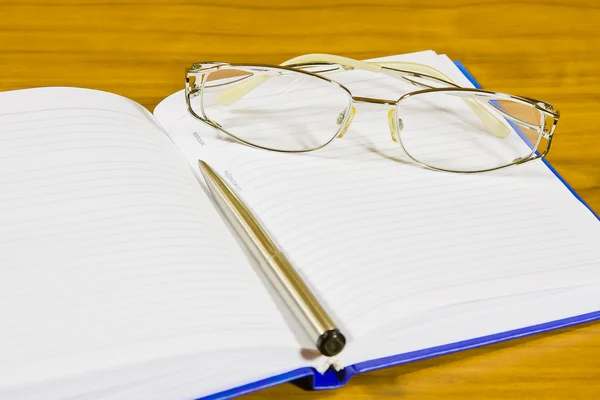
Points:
(298, 297)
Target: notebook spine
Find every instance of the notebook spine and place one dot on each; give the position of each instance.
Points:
(330, 379)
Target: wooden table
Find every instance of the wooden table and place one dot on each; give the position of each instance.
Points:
(543, 49)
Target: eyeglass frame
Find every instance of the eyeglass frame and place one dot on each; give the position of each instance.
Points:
(203, 69)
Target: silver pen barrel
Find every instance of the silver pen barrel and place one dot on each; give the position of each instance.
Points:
(278, 269)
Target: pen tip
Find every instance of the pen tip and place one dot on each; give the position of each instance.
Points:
(331, 343)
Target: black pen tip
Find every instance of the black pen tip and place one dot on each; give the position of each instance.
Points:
(331, 343)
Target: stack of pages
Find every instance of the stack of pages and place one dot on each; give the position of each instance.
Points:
(120, 279)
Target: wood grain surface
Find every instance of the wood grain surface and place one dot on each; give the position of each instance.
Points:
(543, 49)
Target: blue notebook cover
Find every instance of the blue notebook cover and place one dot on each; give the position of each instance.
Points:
(309, 378)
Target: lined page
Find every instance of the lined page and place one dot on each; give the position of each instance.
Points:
(111, 254)
(380, 238)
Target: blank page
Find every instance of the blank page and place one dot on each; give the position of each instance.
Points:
(111, 253)
(380, 238)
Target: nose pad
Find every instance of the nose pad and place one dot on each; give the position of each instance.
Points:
(340, 119)
(395, 128)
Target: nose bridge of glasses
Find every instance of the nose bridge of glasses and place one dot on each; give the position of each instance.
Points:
(395, 126)
(373, 100)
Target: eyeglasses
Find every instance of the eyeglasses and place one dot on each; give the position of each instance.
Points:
(297, 107)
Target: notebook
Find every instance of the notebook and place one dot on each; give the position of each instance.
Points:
(120, 278)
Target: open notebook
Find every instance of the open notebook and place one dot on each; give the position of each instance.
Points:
(119, 278)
